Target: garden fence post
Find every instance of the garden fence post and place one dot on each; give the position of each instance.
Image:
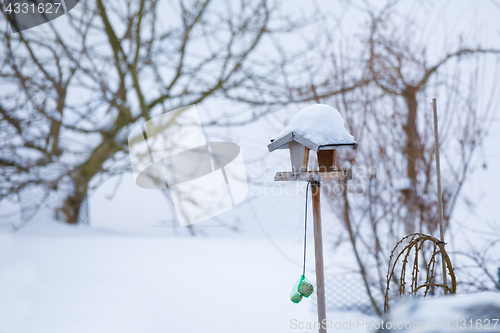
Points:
(318, 250)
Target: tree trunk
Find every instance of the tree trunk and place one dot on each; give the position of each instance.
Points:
(411, 150)
(70, 209)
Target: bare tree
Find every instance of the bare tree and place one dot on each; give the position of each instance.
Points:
(71, 95)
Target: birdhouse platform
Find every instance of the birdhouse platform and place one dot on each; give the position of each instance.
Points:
(310, 176)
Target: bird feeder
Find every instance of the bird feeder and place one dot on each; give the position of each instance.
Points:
(319, 128)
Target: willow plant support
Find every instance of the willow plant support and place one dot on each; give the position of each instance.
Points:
(411, 250)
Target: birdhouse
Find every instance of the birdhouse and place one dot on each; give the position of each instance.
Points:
(319, 128)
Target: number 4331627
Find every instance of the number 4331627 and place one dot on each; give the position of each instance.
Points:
(41, 8)
(479, 324)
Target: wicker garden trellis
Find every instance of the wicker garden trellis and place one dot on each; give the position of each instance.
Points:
(416, 243)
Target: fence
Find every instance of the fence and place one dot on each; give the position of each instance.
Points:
(348, 293)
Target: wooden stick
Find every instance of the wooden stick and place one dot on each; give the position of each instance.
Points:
(440, 198)
(318, 249)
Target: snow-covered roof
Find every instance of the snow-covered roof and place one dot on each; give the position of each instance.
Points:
(317, 127)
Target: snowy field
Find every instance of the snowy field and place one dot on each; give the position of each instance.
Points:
(59, 278)
(131, 271)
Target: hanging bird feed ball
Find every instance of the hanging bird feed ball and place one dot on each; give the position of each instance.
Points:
(296, 298)
(306, 289)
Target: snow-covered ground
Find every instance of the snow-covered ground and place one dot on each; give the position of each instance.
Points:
(476, 312)
(60, 278)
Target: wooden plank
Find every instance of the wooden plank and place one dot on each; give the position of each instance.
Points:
(280, 142)
(340, 146)
(309, 144)
(312, 175)
(299, 156)
(318, 251)
(326, 160)
(305, 162)
(284, 141)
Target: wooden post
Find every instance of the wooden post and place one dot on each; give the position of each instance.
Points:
(440, 198)
(318, 249)
(299, 155)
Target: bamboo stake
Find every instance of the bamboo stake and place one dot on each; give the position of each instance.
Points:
(440, 198)
(318, 249)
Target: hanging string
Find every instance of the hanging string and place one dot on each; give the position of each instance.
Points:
(305, 231)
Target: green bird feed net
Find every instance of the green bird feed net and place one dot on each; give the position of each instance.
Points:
(302, 288)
